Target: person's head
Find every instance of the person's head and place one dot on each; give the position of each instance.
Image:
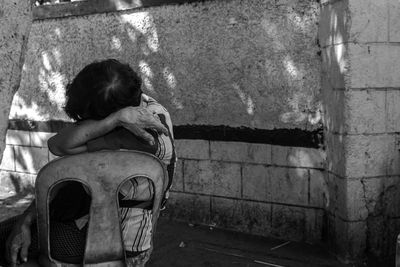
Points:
(102, 88)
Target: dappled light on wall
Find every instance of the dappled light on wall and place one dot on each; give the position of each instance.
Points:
(147, 76)
(143, 22)
(171, 83)
(22, 110)
(241, 63)
(246, 99)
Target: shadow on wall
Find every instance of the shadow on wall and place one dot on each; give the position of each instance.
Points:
(197, 68)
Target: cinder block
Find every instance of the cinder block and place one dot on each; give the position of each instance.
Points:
(241, 152)
(280, 155)
(351, 239)
(189, 207)
(365, 111)
(372, 65)
(256, 182)
(366, 155)
(374, 195)
(319, 189)
(177, 182)
(39, 139)
(15, 137)
(394, 20)
(288, 222)
(240, 215)
(192, 149)
(351, 202)
(314, 225)
(30, 159)
(393, 111)
(8, 160)
(289, 185)
(369, 21)
(212, 177)
(306, 157)
(298, 157)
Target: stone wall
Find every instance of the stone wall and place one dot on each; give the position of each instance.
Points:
(361, 91)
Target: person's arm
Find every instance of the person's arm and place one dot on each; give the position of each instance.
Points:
(19, 239)
(74, 139)
(121, 138)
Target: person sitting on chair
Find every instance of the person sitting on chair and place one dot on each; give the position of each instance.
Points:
(112, 113)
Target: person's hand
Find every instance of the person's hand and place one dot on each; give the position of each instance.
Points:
(137, 119)
(18, 244)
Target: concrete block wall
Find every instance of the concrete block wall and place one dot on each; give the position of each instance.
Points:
(25, 154)
(259, 189)
(361, 91)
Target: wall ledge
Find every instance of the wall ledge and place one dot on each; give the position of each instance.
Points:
(88, 7)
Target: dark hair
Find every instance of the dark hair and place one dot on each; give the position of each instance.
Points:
(102, 88)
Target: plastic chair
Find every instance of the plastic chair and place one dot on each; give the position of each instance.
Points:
(103, 173)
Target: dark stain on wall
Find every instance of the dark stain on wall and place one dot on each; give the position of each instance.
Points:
(281, 137)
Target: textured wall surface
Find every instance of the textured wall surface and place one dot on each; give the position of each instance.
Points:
(248, 63)
(15, 20)
(361, 94)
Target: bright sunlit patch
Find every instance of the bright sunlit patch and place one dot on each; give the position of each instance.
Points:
(169, 78)
(143, 22)
(339, 52)
(132, 34)
(46, 61)
(116, 43)
(148, 85)
(20, 109)
(315, 118)
(145, 69)
(147, 75)
(299, 22)
(121, 5)
(57, 32)
(57, 56)
(53, 84)
(290, 67)
(246, 99)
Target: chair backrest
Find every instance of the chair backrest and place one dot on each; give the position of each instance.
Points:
(103, 173)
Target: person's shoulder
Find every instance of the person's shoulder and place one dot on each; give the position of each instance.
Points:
(154, 105)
